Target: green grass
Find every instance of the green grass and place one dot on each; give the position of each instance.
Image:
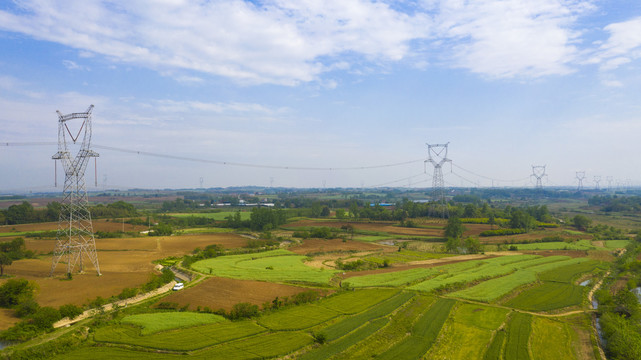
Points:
(424, 333)
(244, 215)
(328, 350)
(405, 256)
(518, 337)
(192, 338)
(548, 296)
(156, 322)
(347, 325)
(616, 244)
(23, 233)
(557, 245)
(276, 266)
(298, 317)
(206, 230)
(110, 353)
(392, 279)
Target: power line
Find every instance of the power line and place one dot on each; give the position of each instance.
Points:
(489, 178)
(220, 162)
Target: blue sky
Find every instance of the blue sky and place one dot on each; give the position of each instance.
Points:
(324, 84)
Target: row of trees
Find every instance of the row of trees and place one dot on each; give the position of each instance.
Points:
(25, 213)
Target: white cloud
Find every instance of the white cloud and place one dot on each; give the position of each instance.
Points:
(623, 45)
(278, 41)
(72, 65)
(512, 37)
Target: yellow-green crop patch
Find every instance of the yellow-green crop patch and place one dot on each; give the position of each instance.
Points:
(156, 322)
(472, 325)
(548, 296)
(551, 339)
(276, 265)
(616, 244)
(557, 245)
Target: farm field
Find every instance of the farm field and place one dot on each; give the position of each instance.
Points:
(414, 301)
(274, 265)
(220, 216)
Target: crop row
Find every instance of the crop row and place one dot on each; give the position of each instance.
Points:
(568, 273)
(518, 336)
(156, 322)
(352, 302)
(298, 317)
(424, 333)
(347, 325)
(548, 296)
(329, 350)
(258, 347)
(192, 338)
(489, 269)
(496, 288)
(392, 279)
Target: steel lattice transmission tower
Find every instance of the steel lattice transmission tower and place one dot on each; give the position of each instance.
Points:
(539, 173)
(580, 176)
(75, 238)
(597, 181)
(437, 156)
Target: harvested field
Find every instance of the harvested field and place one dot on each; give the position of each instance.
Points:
(222, 293)
(7, 319)
(98, 225)
(125, 262)
(320, 245)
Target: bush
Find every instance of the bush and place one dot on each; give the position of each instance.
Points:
(168, 306)
(70, 311)
(26, 308)
(45, 317)
(127, 293)
(243, 310)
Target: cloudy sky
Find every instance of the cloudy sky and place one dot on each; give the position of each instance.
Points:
(322, 93)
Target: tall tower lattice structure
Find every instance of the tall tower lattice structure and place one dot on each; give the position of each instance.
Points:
(437, 156)
(75, 238)
(539, 173)
(597, 181)
(580, 176)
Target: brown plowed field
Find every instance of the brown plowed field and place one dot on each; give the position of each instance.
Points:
(221, 293)
(322, 245)
(98, 225)
(383, 226)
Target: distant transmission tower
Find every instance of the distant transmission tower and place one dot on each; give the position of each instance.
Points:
(609, 179)
(580, 176)
(538, 172)
(437, 156)
(75, 236)
(597, 180)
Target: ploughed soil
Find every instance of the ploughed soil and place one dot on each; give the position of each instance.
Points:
(222, 293)
(331, 245)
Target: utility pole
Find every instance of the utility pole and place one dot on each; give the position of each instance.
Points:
(580, 176)
(538, 172)
(75, 237)
(437, 156)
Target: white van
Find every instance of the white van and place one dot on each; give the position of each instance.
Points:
(178, 286)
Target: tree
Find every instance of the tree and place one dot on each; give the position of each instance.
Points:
(340, 213)
(325, 211)
(15, 291)
(452, 245)
(5, 260)
(243, 310)
(581, 222)
(473, 245)
(454, 228)
(521, 220)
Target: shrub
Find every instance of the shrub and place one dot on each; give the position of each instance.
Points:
(70, 311)
(15, 291)
(502, 232)
(243, 310)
